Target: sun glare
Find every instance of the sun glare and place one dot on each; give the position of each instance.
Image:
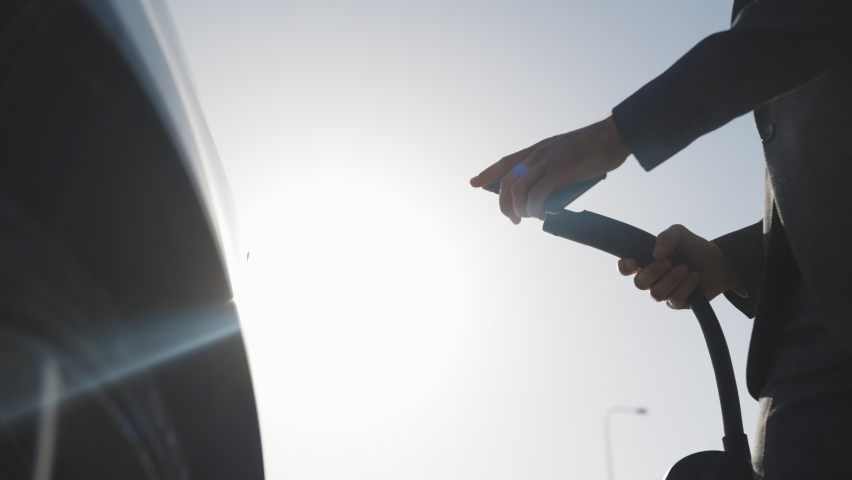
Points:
(351, 306)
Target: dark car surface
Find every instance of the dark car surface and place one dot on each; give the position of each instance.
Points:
(121, 354)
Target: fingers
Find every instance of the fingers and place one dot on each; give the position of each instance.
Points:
(500, 168)
(506, 203)
(521, 191)
(679, 297)
(538, 195)
(664, 287)
(515, 187)
(532, 183)
(649, 275)
(555, 162)
(520, 174)
(627, 266)
(530, 195)
(669, 240)
(509, 170)
(672, 285)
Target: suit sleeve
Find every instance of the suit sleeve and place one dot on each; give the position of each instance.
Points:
(772, 47)
(744, 249)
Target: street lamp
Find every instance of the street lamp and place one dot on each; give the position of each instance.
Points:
(607, 440)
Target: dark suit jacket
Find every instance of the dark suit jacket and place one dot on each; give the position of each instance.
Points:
(789, 61)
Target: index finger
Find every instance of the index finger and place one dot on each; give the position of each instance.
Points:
(500, 168)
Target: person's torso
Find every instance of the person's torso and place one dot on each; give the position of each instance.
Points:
(807, 140)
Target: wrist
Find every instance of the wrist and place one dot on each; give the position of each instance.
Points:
(618, 151)
(729, 273)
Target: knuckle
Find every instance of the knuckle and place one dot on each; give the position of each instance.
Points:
(536, 191)
(515, 189)
(536, 200)
(544, 186)
(535, 203)
(658, 294)
(662, 266)
(533, 155)
(675, 231)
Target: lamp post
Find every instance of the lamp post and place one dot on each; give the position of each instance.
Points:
(608, 441)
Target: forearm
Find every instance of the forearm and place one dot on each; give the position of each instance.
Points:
(773, 47)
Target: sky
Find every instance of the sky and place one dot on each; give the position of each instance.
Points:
(398, 326)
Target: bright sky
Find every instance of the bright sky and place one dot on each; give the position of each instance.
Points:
(401, 327)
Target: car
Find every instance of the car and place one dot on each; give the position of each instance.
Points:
(121, 353)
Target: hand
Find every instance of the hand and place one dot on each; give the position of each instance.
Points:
(531, 175)
(705, 266)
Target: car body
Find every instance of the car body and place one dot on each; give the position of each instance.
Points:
(122, 350)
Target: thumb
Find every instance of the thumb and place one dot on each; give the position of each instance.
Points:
(669, 240)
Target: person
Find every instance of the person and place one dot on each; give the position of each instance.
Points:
(790, 62)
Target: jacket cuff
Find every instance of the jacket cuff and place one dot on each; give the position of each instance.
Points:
(654, 123)
(744, 249)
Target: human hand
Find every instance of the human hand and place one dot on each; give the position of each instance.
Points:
(705, 265)
(531, 175)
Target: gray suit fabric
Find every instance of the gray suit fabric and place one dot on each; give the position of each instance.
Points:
(790, 62)
(805, 423)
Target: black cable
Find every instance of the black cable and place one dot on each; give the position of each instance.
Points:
(735, 439)
(627, 241)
